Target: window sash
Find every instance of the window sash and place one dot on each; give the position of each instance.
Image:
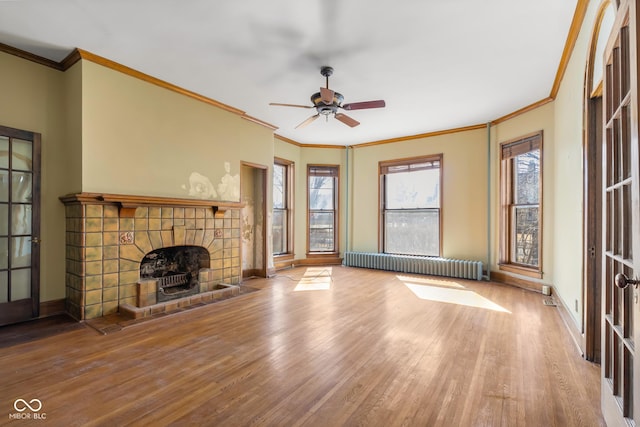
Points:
(279, 231)
(322, 198)
(321, 231)
(279, 186)
(525, 235)
(404, 238)
(423, 196)
(526, 177)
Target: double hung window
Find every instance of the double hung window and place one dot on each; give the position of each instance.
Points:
(411, 200)
(521, 195)
(322, 208)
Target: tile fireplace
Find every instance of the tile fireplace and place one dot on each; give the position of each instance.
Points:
(117, 244)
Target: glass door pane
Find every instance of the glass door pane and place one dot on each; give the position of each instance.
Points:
(16, 218)
(620, 228)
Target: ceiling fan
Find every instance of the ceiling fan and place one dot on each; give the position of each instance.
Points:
(327, 102)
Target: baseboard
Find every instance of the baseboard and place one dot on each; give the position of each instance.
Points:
(50, 308)
(569, 323)
(280, 263)
(291, 263)
(251, 273)
(499, 276)
(563, 310)
(319, 261)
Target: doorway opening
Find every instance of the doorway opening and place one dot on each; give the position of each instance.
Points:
(253, 190)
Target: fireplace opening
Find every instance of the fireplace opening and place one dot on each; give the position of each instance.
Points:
(176, 270)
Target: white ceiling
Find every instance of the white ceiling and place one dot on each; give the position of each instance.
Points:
(438, 64)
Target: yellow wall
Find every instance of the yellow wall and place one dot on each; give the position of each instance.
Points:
(46, 101)
(464, 191)
(141, 139)
(567, 154)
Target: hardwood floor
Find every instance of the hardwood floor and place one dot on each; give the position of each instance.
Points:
(31, 330)
(365, 348)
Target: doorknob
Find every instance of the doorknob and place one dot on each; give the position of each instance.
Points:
(622, 281)
(35, 240)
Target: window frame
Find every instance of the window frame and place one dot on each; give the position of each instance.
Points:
(383, 170)
(509, 150)
(288, 199)
(334, 171)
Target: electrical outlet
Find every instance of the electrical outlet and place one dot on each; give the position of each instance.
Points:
(576, 306)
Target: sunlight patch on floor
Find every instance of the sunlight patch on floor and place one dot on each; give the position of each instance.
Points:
(448, 292)
(315, 279)
(431, 282)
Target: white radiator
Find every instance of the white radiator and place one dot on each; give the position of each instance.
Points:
(415, 264)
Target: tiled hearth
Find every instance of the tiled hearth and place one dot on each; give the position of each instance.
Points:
(109, 235)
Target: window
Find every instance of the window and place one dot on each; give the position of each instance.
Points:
(521, 196)
(410, 194)
(282, 222)
(323, 208)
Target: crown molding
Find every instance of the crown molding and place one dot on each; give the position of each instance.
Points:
(572, 37)
(301, 145)
(419, 136)
(30, 57)
(287, 140)
(71, 59)
(523, 110)
(258, 121)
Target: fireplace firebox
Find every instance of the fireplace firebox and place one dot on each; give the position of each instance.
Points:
(176, 270)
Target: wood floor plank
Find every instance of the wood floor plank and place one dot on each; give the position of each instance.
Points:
(367, 348)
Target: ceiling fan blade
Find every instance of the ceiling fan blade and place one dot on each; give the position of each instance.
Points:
(306, 122)
(364, 105)
(347, 120)
(291, 105)
(326, 95)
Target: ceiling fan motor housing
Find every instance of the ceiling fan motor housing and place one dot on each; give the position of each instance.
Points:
(327, 109)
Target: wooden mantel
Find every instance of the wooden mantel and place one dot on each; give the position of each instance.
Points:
(127, 204)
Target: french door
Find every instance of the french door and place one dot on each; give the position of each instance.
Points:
(621, 224)
(19, 225)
